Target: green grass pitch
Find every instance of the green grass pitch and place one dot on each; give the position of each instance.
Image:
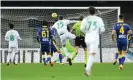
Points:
(100, 71)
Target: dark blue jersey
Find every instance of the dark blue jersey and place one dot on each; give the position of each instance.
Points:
(121, 30)
(53, 32)
(44, 35)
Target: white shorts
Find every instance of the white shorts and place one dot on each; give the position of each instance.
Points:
(66, 36)
(92, 47)
(13, 49)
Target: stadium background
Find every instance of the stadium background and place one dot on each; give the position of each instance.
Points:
(27, 21)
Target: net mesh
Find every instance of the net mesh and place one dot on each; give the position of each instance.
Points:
(26, 22)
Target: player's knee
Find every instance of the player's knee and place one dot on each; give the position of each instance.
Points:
(85, 49)
(123, 53)
(59, 51)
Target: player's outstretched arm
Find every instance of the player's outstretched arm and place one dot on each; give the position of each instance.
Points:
(72, 20)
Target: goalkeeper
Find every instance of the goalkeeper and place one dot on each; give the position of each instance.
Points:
(70, 49)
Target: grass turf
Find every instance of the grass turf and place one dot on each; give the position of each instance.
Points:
(100, 71)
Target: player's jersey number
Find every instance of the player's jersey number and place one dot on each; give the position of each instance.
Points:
(60, 25)
(122, 30)
(11, 37)
(45, 34)
(91, 24)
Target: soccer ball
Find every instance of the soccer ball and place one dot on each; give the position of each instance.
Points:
(54, 15)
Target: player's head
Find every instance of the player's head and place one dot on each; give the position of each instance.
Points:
(92, 10)
(45, 23)
(11, 26)
(61, 18)
(121, 17)
(51, 24)
(81, 17)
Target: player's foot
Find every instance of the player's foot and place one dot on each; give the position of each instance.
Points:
(114, 62)
(87, 74)
(69, 61)
(121, 67)
(61, 63)
(7, 64)
(45, 64)
(85, 65)
(15, 64)
(51, 63)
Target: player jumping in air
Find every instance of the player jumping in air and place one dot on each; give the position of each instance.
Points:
(79, 39)
(44, 38)
(92, 26)
(122, 30)
(64, 34)
(12, 36)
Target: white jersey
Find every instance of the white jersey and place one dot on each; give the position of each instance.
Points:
(92, 26)
(61, 26)
(12, 36)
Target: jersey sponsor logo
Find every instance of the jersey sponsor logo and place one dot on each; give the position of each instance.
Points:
(122, 36)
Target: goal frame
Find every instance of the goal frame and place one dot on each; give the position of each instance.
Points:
(118, 8)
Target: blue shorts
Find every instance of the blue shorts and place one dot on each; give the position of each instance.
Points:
(122, 45)
(54, 47)
(45, 48)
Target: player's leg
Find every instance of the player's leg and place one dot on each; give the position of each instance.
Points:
(47, 50)
(43, 55)
(71, 49)
(124, 49)
(71, 37)
(85, 49)
(56, 49)
(15, 50)
(77, 44)
(9, 56)
(63, 55)
(49, 59)
(63, 41)
(116, 57)
(13, 54)
(119, 46)
(93, 48)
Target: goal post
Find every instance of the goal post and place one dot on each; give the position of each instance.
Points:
(26, 20)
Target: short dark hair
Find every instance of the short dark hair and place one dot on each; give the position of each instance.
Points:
(81, 17)
(121, 16)
(11, 26)
(45, 23)
(61, 17)
(92, 10)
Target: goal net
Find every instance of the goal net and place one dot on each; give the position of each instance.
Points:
(28, 19)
